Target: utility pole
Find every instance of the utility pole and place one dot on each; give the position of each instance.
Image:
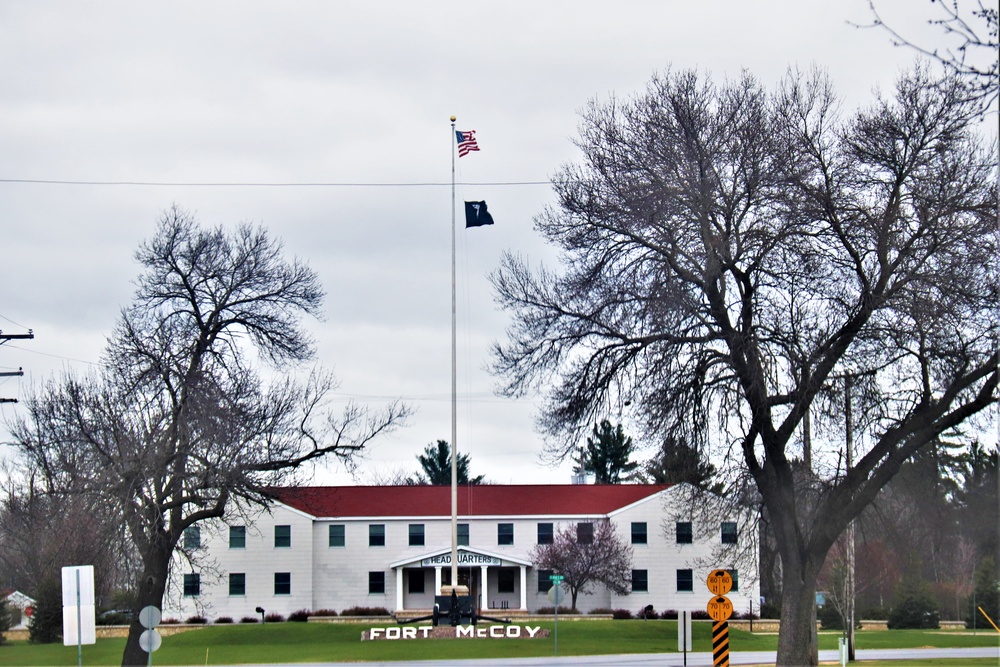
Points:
(848, 381)
(20, 371)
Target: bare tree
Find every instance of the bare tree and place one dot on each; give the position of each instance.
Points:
(729, 254)
(586, 557)
(971, 49)
(178, 426)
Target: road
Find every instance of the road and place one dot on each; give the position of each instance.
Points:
(676, 660)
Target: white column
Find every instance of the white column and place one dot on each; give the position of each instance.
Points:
(437, 580)
(484, 588)
(524, 588)
(399, 588)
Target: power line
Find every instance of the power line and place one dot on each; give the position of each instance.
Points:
(428, 184)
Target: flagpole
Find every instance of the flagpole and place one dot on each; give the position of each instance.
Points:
(454, 382)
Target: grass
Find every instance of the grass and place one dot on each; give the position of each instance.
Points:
(320, 642)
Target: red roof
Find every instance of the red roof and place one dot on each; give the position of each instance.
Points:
(473, 500)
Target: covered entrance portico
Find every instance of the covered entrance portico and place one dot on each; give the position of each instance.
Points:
(495, 581)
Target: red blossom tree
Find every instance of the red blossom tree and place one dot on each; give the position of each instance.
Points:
(586, 559)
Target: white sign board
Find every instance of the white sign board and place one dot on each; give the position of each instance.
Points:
(79, 614)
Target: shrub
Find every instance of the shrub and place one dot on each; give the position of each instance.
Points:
(196, 620)
(223, 620)
(622, 614)
(986, 594)
(248, 619)
(274, 618)
(770, 610)
(875, 614)
(602, 611)
(700, 615)
(4, 619)
(917, 613)
(325, 612)
(829, 617)
(365, 611)
(299, 616)
(552, 610)
(170, 621)
(647, 612)
(669, 615)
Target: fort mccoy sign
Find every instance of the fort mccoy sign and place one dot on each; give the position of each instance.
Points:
(455, 632)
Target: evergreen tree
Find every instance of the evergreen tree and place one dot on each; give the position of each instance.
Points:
(608, 455)
(46, 620)
(914, 607)
(436, 465)
(678, 462)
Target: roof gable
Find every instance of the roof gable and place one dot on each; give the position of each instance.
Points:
(473, 500)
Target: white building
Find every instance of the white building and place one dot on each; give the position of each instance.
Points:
(20, 608)
(390, 546)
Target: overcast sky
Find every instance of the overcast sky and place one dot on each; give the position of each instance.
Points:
(178, 97)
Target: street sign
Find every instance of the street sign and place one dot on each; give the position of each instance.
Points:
(150, 640)
(556, 579)
(720, 582)
(149, 617)
(720, 608)
(556, 595)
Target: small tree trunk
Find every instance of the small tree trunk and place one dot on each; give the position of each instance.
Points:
(797, 642)
(151, 588)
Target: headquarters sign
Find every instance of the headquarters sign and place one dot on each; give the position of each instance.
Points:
(464, 558)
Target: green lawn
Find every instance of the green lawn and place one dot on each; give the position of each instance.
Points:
(317, 642)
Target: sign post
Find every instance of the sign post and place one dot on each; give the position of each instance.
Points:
(556, 595)
(720, 608)
(684, 634)
(150, 639)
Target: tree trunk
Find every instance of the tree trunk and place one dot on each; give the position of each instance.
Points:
(151, 588)
(797, 642)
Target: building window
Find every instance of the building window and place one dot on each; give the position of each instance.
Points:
(415, 581)
(237, 537)
(376, 535)
(638, 532)
(545, 534)
(237, 583)
(376, 583)
(505, 580)
(463, 534)
(282, 583)
(736, 580)
(416, 534)
(685, 581)
(729, 532)
(192, 585)
(505, 533)
(282, 536)
(640, 581)
(585, 533)
(684, 533)
(544, 583)
(336, 538)
(192, 537)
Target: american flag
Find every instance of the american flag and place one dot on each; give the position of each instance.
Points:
(466, 142)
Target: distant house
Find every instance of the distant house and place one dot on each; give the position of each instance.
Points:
(20, 606)
(390, 546)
